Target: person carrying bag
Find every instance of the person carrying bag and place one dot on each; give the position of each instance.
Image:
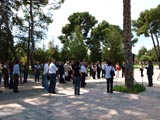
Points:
(109, 75)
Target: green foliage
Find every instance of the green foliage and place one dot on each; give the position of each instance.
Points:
(77, 47)
(65, 53)
(148, 24)
(144, 55)
(136, 88)
(4, 49)
(113, 48)
(76, 34)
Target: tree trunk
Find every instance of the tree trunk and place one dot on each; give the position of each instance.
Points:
(129, 80)
(157, 48)
(29, 39)
(154, 44)
(32, 38)
(10, 36)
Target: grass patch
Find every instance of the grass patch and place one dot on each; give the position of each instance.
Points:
(136, 88)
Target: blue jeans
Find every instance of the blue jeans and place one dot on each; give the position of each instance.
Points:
(0, 77)
(11, 80)
(37, 74)
(25, 76)
(52, 85)
(77, 81)
(45, 82)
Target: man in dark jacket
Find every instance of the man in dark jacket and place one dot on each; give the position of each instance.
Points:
(150, 73)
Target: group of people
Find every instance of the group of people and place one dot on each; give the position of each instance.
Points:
(75, 71)
(150, 72)
(14, 72)
(11, 73)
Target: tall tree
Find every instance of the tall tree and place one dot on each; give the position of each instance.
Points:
(85, 23)
(113, 48)
(77, 47)
(38, 15)
(148, 24)
(129, 79)
(8, 19)
(95, 41)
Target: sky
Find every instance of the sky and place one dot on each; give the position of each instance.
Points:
(108, 10)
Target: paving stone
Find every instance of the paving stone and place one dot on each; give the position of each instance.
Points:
(33, 103)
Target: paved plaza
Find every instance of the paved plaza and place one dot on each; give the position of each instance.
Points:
(33, 103)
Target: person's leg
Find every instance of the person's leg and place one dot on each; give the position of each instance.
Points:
(54, 83)
(0, 77)
(107, 85)
(111, 85)
(75, 86)
(149, 80)
(78, 85)
(51, 84)
(38, 74)
(15, 83)
(83, 80)
(122, 72)
(35, 76)
(11, 81)
(98, 74)
(45, 82)
(94, 75)
(150, 83)
(25, 76)
(5, 81)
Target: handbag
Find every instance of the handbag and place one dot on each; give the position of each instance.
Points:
(112, 73)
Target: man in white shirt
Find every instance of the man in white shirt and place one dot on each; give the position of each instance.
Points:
(52, 71)
(45, 73)
(16, 73)
(84, 72)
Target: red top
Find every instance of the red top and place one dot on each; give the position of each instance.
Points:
(118, 67)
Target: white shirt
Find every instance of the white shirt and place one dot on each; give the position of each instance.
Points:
(45, 68)
(107, 71)
(16, 69)
(83, 69)
(103, 66)
(52, 68)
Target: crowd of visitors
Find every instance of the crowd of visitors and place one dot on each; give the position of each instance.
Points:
(52, 71)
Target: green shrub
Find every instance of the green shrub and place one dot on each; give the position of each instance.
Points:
(136, 88)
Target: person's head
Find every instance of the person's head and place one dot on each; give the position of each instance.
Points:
(109, 63)
(77, 63)
(53, 60)
(149, 62)
(16, 61)
(141, 62)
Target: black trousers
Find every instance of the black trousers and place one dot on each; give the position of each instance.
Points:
(6, 80)
(83, 83)
(150, 80)
(109, 85)
(98, 74)
(15, 82)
